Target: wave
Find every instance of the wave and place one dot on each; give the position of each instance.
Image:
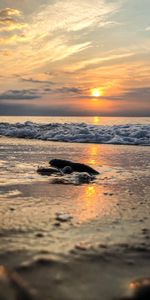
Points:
(129, 134)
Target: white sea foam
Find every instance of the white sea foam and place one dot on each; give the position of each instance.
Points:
(129, 134)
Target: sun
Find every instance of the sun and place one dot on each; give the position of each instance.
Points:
(96, 92)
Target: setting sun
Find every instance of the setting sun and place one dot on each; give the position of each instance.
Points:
(96, 92)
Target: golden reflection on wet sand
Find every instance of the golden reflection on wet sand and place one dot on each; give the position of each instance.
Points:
(92, 154)
(92, 203)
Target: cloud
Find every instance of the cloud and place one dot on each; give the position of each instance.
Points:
(10, 20)
(96, 62)
(138, 93)
(29, 94)
(76, 15)
(63, 90)
(66, 90)
(49, 31)
(9, 24)
(6, 12)
(13, 39)
(31, 80)
(19, 95)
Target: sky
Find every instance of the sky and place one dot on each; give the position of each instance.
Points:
(73, 57)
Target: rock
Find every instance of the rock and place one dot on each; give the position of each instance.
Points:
(47, 171)
(39, 235)
(62, 217)
(12, 209)
(61, 180)
(13, 287)
(57, 224)
(76, 167)
(75, 178)
(67, 170)
(83, 246)
(140, 290)
(82, 178)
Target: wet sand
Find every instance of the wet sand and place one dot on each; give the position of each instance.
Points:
(102, 247)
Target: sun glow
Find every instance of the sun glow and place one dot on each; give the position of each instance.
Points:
(96, 92)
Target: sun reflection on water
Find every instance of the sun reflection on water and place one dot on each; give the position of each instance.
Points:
(92, 155)
(92, 203)
(96, 120)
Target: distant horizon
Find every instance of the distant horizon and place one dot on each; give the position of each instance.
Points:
(80, 116)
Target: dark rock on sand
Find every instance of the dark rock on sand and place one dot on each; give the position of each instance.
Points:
(47, 171)
(13, 287)
(76, 167)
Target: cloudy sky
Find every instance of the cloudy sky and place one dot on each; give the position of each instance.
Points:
(73, 57)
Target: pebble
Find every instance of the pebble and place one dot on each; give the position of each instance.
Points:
(108, 194)
(62, 217)
(47, 171)
(145, 230)
(57, 224)
(83, 246)
(39, 235)
(82, 177)
(67, 170)
(12, 209)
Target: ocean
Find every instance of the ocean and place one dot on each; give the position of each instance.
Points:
(105, 130)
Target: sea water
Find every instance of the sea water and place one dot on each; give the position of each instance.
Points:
(105, 130)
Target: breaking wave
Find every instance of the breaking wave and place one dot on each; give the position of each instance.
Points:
(136, 134)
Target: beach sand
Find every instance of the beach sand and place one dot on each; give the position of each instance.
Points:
(102, 247)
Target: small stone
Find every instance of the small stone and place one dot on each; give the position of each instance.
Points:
(39, 235)
(83, 246)
(12, 208)
(57, 224)
(67, 170)
(103, 246)
(47, 171)
(145, 230)
(83, 178)
(63, 217)
(108, 194)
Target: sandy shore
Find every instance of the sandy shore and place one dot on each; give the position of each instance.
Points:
(105, 243)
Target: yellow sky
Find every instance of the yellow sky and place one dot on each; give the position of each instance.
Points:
(53, 54)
